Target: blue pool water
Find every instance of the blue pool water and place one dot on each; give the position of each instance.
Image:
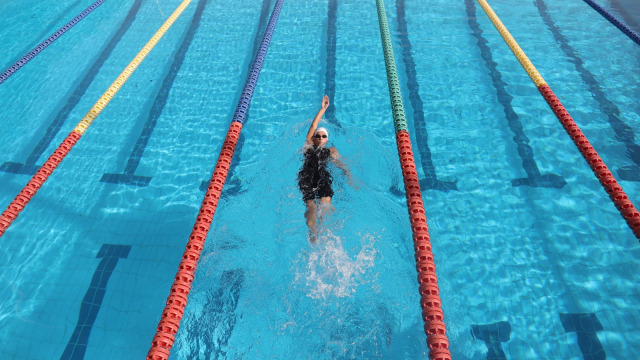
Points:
(525, 271)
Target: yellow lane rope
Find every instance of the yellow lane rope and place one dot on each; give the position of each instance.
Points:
(124, 75)
(513, 45)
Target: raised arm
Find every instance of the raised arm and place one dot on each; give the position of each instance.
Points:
(316, 120)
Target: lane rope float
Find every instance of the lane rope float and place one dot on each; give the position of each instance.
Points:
(36, 182)
(177, 301)
(599, 168)
(615, 21)
(430, 302)
(43, 45)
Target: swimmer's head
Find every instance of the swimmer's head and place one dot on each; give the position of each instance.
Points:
(320, 136)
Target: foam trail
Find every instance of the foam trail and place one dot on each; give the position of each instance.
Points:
(330, 271)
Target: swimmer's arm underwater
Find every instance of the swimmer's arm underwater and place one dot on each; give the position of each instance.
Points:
(336, 158)
(316, 120)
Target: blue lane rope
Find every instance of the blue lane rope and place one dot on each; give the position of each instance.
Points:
(619, 24)
(247, 93)
(31, 54)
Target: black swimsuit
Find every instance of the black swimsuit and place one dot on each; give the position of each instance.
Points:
(314, 179)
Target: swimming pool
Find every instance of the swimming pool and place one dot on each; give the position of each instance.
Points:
(532, 271)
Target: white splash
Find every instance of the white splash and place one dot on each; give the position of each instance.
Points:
(330, 271)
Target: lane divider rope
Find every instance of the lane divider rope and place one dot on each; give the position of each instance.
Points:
(600, 169)
(615, 21)
(36, 182)
(177, 301)
(31, 54)
(430, 302)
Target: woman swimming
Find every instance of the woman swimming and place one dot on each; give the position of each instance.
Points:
(314, 178)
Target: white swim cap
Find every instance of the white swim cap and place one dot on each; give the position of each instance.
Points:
(321, 129)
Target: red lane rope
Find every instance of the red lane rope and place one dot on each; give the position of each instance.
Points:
(432, 314)
(22, 199)
(430, 302)
(177, 300)
(620, 199)
(611, 186)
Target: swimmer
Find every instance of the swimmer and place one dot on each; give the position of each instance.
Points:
(314, 178)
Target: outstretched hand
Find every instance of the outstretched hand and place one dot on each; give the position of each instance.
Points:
(325, 102)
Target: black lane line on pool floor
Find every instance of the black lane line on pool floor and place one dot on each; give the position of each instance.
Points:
(30, 167)
(493, 335)
(585, 325)
(534, 178)
(330, 53)
(624, 133)
(128, 177)
(233, 186)
(92, 301)
(208, 332)
(430, 180)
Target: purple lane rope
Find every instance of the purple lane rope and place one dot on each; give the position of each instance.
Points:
(43, 45)
(618, 23)
(247, 93)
